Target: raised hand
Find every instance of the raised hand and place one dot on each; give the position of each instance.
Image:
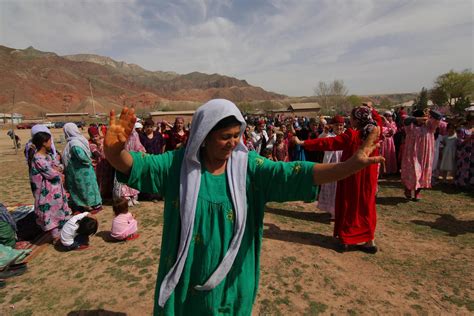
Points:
(118, 132)
(361, 157)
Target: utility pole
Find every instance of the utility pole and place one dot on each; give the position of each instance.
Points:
(92, 96)
(13, 126)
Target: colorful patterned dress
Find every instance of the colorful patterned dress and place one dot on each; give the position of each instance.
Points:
(81, 181)
(418, 154)
(51, 206)
(103, 170)
(214, 226)
(121, 189)
(387, 148)
(464, 159)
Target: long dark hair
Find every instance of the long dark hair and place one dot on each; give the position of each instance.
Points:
(39, 139)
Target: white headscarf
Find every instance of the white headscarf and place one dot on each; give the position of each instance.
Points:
(74, 138)
(205, 118)
(34, 130)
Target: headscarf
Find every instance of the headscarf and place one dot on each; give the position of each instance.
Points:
(74, 138)
(93, 131)
(363, 116)
(6, 217)
(205, 118)
(133, 142)
(138, 125)
(337, 119)
(34, 130)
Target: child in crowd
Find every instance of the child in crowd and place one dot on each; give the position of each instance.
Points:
(267, 153)
(75, 233)
(124, 225)
(280, 149)
(448, 161)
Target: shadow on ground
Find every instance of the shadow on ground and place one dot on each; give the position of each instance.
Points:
(449, 224)
(391, 200)
(105, 235)
(96, 312)
(324, 218)
(274, 232)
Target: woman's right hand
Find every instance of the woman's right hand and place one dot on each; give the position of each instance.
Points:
(118, 131)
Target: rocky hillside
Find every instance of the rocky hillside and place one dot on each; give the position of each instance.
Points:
(45, 82)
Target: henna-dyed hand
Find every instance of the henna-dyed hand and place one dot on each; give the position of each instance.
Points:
(118, 132)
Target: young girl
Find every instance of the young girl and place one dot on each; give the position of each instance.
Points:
(123, 190)
(280, 149)
(448, 161)
(75, 233)
(51, 207)
(124, 225)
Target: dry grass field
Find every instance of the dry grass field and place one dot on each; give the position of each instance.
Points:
(424, 267)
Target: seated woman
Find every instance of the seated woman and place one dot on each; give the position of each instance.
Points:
(213, 216)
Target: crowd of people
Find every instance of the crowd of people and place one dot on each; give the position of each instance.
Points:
(223, 171)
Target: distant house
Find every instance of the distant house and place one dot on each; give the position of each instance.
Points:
(170, 116)
(305, 109)
(8, 117)
(67, 116)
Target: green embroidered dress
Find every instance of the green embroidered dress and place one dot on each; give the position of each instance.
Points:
(81, 181)
(213, 228)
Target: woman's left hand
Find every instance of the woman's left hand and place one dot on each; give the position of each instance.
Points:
(361, 157)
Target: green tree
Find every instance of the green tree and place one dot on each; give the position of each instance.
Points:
(421, 101)
(438, 96)
(461, 104)
(456, 85)
(354, 100)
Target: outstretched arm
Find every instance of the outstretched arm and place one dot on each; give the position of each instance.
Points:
(324, 173)
(115, 139)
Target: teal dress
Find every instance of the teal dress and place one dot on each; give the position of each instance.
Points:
(81, 181)
(213, 228)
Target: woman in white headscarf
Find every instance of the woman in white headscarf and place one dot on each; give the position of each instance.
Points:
(81, 181)
(30, 148)
(213, 217)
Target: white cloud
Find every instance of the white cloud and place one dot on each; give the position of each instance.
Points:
(283, 46)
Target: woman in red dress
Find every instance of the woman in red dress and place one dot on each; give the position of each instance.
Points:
(356, 215)
(177, 136)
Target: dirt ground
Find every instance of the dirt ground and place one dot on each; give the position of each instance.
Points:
(424, 267)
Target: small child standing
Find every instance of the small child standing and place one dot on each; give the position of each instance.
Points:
(448, 161)
(75, 233)
(124, 225)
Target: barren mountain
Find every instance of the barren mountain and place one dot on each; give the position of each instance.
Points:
(43, 82)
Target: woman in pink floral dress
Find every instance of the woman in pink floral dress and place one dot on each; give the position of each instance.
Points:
(51, 207)
(120, 189)
(418, 152)
(387, 148)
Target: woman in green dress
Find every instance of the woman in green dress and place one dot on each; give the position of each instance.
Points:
(81, 181)
(215, 191)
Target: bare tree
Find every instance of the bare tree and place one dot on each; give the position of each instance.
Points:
(332, 96)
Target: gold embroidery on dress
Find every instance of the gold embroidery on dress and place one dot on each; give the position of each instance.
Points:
(297, 168)
(259, 161)
(197, 239)
(230, 215)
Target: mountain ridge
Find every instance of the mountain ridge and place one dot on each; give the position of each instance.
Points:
(54, 83)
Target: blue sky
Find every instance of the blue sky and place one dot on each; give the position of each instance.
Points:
(375, 46)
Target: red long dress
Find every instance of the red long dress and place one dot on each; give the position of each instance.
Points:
(356, 215)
